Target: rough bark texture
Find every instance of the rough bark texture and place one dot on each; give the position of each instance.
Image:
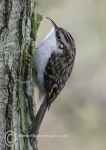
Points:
(17, 36)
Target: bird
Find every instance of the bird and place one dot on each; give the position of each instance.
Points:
(52, 66)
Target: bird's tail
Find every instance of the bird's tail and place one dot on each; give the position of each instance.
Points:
(36, 123)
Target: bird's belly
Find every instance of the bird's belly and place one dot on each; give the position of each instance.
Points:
(41, 57)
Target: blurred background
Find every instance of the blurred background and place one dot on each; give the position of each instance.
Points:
(77, 118)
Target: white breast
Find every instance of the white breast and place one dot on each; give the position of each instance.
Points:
(43, 53)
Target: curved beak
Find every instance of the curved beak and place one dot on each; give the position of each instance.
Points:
(53, 23)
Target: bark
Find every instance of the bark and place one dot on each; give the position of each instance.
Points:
(18, 28)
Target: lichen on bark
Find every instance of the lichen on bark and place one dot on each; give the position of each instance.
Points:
(18, 27)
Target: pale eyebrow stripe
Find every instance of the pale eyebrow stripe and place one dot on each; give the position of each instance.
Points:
(68, 36)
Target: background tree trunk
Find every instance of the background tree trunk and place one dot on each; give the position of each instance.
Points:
(18, 28)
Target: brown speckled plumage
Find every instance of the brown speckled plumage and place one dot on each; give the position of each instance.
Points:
(57, 72)
(53, 64)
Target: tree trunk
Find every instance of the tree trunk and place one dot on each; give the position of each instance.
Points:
(18, 28)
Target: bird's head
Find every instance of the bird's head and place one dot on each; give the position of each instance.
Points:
(64, 39)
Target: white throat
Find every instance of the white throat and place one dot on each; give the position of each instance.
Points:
(47, 46)
(49, 42)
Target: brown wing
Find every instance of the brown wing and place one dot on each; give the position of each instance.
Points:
(57, 72)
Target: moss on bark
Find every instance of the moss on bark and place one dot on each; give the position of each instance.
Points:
(17, 42)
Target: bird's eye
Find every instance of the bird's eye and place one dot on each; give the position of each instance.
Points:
(58, 36)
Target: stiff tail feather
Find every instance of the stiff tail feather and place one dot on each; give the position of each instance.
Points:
(36, 123)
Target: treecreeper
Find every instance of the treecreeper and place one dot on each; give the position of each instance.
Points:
(52, 64)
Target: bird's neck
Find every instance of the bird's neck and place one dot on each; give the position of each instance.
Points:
(49, 41)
